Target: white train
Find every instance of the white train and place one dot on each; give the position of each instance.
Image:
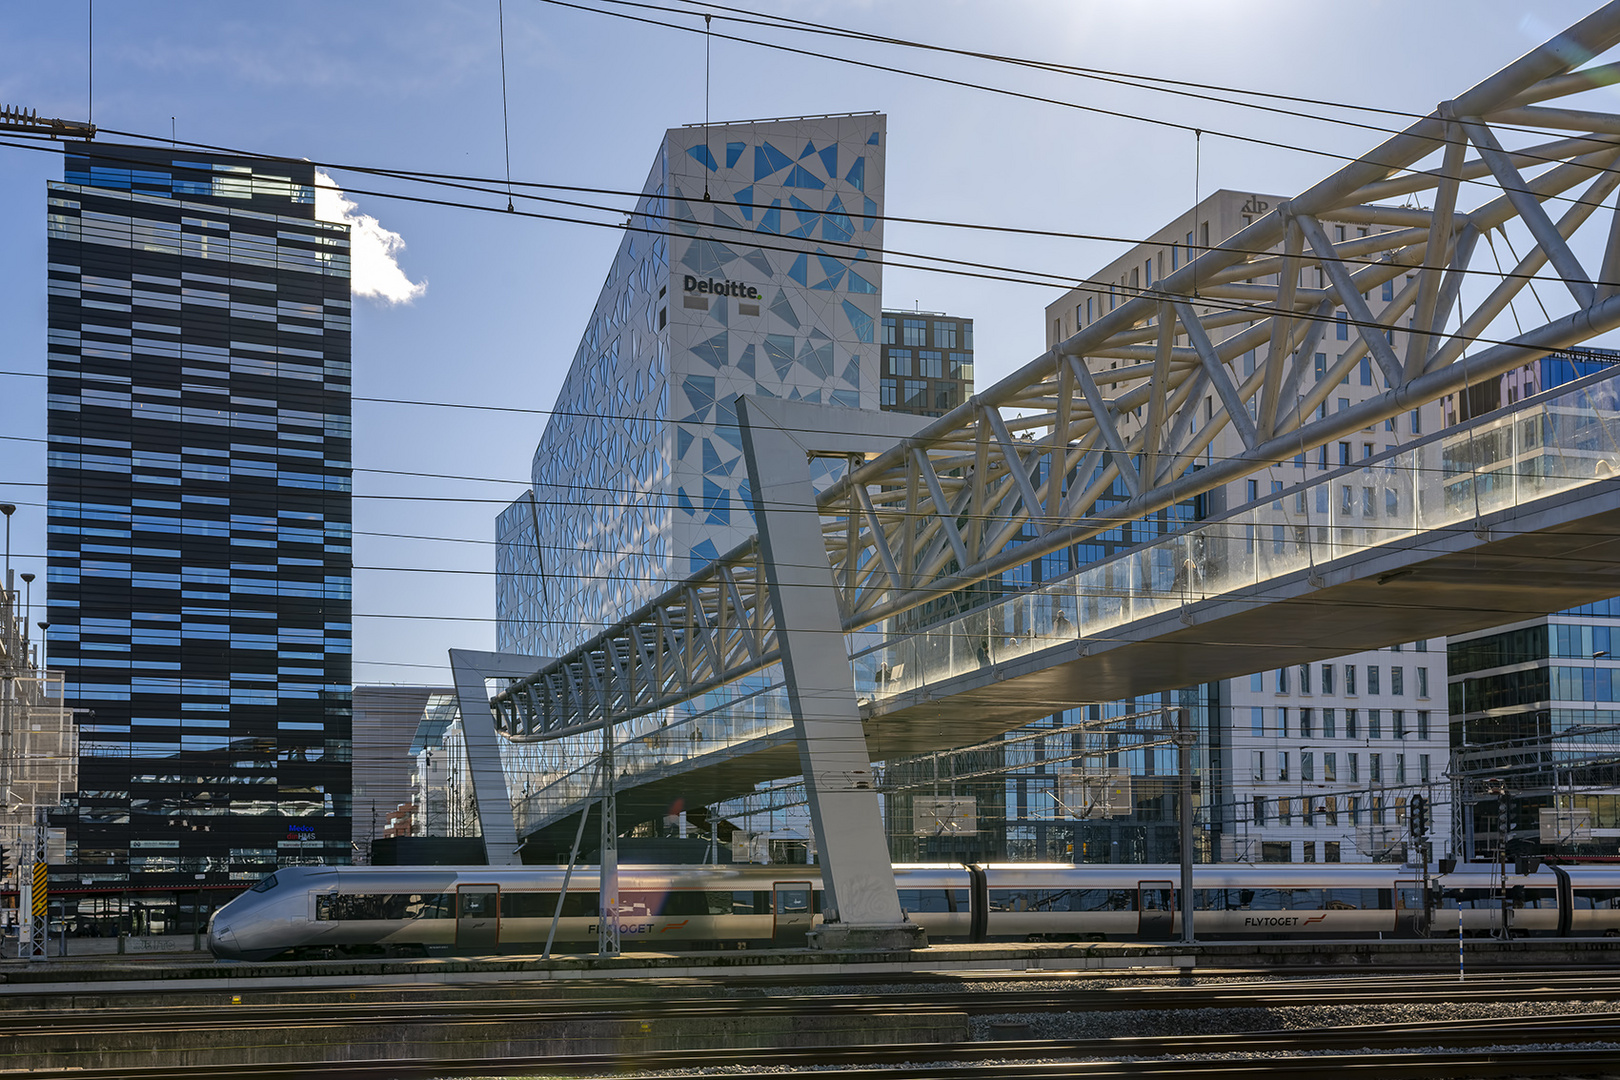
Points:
(304, 911)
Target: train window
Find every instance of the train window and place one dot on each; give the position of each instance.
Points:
(351, 907)
(538, 905)
(932, 900)
(1536, 898)
(1598, 899)
(750, 903)
(266, 885)
(1305, 900)
(1036, 899)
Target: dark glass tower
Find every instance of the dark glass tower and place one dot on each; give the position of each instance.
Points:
(199, 480)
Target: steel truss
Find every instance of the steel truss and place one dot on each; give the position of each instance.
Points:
(941, 510)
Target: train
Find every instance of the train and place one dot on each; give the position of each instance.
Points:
(315, 911)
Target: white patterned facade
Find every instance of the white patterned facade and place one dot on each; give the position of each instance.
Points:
(750, 266)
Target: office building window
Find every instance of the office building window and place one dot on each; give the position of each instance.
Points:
(1375, 769)
(1257, 725)
(1305, 723)
(1372, 678)
(900, 362)
(1282, 765)
(1375, 723)
(889, 392)
(1417, 423)
(914, 332)
(1400, 768)
(888, 330)
(1282, 723)
(916, 393)
(1397, 723)
(1257, 761)
(1354, 762)
(1397, 682)
(1355, 810)
(1342, 326)
(1256, 682)
(1423, 768)
(1330, 850)
(930, 364)
(1282, 680)
(1327, 678)
(1423, 681)
(1330, 767)
(1423, 723)
(1285, 816)
(1309, 846)
(944, 335)
(1304, 678)
(1329, 723)
(1350, 679)
(1259, 809)
(1307, 765)
(1421, 646)
(1350, 723)
(1366, 371)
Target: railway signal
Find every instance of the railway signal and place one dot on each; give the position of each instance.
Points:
(1418, 817)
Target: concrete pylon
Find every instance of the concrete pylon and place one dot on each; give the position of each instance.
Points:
(861, 908)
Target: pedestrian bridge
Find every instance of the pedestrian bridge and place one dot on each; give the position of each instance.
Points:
(1512, 515)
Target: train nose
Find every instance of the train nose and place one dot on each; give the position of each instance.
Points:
(222, 943)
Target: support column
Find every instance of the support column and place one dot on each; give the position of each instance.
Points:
(860, 906)
(469, 669)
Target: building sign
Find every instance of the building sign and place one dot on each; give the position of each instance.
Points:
(719, 288)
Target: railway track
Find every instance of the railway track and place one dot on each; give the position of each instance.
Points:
(362, 1009)
(1532, 1046)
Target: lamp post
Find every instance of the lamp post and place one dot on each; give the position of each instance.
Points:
(8, 509)
(28, 609)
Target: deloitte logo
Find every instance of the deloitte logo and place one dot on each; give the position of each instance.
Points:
(720, 288)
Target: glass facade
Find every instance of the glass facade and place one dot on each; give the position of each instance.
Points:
(199, 491)
(748, 269)
(927, 362)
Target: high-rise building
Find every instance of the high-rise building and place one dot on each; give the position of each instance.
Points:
(748, 267)
(1320, 766)
(199, 489)
(927, 362)
(1535, 704)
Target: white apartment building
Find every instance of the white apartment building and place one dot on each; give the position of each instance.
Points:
(1312, 761)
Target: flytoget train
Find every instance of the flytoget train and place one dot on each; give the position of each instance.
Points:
(327, 911)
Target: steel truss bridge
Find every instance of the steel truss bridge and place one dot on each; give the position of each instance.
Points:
(966, 498)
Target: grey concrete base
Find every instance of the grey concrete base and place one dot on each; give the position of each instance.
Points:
(837, 937)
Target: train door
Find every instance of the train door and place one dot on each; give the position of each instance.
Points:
(478, 918)
(1411, 918)
(1155, 910)
(791, 908)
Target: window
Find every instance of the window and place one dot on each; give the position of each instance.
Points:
(900, 362)
(1257, 724)
(888, 331)
(1282, 723)
(914, 332)
(1349, 723)
(1327, 678)
(1353, 761)
(1397, 723)
(1304, 678)
(1282, 765)
(1259, 809)
(1330, 851)
(1309, 849)
(1417, 423)
(1332, 805)
(930, 364)
(1285, 816)
(1344, 447)
(890, 392)
(1372, 678)
(1397, 681)
(1389, 289)
(1257, 762)
(1400, 768)
(1305, 723)
(1421, 646)
(1375, 769)
(1366, 371)
(1329, 723)
(1342, 327)
(1350, 679)
(1307, 765)
(945, 335)
(1330, 768)
(1256, 682)
(1423, 723)
(1423, 767)
(1423, 681)
(916, 393)
(1375, 723)
(1254, 490)
(1282, 680)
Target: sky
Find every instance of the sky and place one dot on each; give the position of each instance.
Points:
(460, 305)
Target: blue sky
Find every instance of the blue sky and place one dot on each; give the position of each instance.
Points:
(416, 84)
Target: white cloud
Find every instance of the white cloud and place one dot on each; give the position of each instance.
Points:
(373, 250)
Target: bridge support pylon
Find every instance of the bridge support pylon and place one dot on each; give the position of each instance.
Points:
(860, 906)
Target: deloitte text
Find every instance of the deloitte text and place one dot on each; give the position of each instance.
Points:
(721, 288)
